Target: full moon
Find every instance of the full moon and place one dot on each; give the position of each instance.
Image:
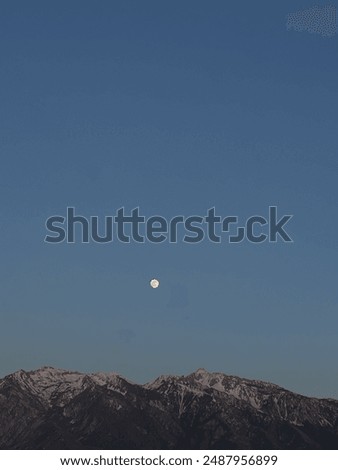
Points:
(154, 283)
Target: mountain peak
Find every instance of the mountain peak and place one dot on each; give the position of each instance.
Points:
(201, 371)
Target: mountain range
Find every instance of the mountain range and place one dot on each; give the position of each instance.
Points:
(58, 409)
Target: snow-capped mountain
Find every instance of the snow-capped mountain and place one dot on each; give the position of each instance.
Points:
(58, 409)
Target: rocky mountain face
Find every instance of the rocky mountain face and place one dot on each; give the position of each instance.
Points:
(57, 409)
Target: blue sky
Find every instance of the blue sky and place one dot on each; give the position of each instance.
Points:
(174, 107)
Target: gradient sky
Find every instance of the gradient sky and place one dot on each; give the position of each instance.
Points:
(174, 107)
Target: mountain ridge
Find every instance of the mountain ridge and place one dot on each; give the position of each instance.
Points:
(52, 408)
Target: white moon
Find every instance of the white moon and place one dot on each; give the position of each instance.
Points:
(154, 283)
